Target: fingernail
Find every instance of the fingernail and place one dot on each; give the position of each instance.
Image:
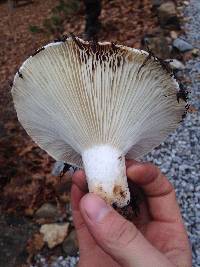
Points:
(95, 208)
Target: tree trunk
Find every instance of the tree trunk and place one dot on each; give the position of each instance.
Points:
(93, 11)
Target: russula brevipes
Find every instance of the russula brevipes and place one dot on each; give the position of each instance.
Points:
(92, 104)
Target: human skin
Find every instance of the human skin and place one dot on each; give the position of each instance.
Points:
(156, 238)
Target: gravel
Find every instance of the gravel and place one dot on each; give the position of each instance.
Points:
(182, 45)
(59, 262)
(179, 156)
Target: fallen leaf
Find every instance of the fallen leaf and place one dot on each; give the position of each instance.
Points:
(35, 244)
(192, 109)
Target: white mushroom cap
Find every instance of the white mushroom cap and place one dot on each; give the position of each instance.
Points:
(95, 104)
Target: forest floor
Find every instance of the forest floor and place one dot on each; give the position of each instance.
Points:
(26, 182)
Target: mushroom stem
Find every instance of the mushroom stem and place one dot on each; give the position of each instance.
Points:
(106, 174)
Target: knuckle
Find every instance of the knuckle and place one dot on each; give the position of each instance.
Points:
(166, 185)
(120, 234)
(127, 234)
(152, 173)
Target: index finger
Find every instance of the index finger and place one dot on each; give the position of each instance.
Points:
(79, 179)
(160, 194)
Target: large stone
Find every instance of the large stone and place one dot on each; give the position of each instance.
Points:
(54, 233)
(159, 46)
(182, 45)
(156, 3)
(176, 64)
(47, 211)
(167, 15)
(70, 245)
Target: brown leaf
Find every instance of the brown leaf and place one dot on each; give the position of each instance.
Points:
(192, 109)
(27, 149)
(35, 244)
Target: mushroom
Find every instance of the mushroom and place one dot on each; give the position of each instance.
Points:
(92, 104)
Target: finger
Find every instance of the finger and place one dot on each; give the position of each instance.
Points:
(76, 195)
(150, 178)
(117, 236)
(85, 240)
(161, 197)
(80, 180)
(130, 162)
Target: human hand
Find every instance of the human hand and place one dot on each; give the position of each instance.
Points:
(156, 238)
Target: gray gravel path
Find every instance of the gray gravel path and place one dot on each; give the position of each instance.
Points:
(179, 156)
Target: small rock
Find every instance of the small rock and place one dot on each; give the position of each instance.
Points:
(47, 211)
(186, 19)
(159, 46)
(174, 34)
(186, 3)
(167, 15)
(180, 9)
(182, 45)
(176, 64)
(54, 233)
(57, 168)
(70, 245)
(195, 52)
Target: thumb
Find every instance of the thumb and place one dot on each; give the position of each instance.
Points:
(118, 237)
